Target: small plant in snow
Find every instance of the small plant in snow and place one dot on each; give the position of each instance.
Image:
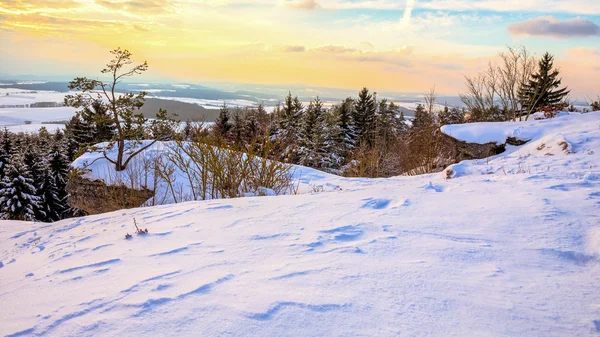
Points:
(139, 230)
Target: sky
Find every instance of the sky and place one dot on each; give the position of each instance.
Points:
(387, 45)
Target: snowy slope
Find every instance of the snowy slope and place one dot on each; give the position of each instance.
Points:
(510, 253)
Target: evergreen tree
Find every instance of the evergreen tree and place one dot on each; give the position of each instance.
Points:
(291, 118)
(18, 199)
(79, 134)
(422, 118)
(364, 117)
(542, 89)
(451, 116)
(54, 204)
(311, 134)
(237, 128)
(388, 123)
(347, 135)
(6, 151)
(187, 130)
(251, 129)
(59, 169)
(163, 128)
(222, 124)
(39, 172)
(104, 127)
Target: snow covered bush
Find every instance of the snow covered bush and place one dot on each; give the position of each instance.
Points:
(212, 171)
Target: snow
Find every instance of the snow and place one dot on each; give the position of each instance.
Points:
(35, 128)
(213, 104)
(509, 248)
(494, 132)
(18, 116)
(22, 97)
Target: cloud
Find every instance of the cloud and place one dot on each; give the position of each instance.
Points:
(294, 49)
(408, 12)
(335, 49)
(139, 6)
(550, 26)
(301, 4)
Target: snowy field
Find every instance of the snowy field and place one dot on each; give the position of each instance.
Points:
(14, 118)
(22, 97)
(509, 247)
(18, 116)
(34, 128)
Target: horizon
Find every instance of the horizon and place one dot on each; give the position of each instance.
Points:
(389, 46)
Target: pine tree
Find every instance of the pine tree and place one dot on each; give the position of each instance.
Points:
(163, 128)
(222, 124)
(364, 117)
(542, 89)
(18, 199)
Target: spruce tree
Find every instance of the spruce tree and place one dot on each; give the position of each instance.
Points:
(53, 199)
(291, 117)
(251, 129)
(79, 134)
(6, 151)
(365, 117)
(451, 116)
(311, 134)
(222, 124)
(542, 89)
(34, 163)
(422, 118)
(237, 128)
(104, 127)
(18, 196)
(59, 169)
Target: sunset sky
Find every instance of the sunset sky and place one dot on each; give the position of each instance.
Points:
(393, 45)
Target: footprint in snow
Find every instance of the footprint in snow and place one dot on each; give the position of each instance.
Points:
(432, 187)
(376, 203)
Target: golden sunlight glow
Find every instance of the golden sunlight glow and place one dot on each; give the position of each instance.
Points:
(229, 40)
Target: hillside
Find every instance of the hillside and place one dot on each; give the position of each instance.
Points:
(505, 246)
(183, 111)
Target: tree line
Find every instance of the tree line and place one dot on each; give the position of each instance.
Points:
(363, 136)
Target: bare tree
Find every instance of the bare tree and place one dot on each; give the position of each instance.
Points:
(500, 83)
(430, 98)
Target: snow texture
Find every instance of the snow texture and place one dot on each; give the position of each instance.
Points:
(494, 132)
(509, 248)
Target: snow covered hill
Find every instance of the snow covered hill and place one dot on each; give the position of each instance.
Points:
(508, 246)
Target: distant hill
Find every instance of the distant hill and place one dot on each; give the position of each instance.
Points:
(184, 111)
